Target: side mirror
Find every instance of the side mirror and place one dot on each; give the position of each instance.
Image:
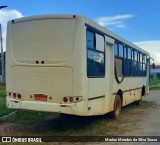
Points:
(153, 65)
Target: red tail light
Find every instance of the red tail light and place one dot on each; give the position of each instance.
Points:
(77, 99)
(19, 96)
(10, 94)
(14, 95)
(65, 99)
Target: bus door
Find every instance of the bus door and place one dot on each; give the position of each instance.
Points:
(109, 59)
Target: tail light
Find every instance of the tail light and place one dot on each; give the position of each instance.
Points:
(10, 94)
(19, 96)
(77, 99)
(73, 99)
(15, 95)
(65, 99)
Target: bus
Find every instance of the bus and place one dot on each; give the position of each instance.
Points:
(69, 64)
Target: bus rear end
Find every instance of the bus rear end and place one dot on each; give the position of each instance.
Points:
(39, 72)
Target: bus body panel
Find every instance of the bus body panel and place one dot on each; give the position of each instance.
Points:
(39, 80)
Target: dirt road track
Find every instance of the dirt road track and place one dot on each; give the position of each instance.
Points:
(149, 125)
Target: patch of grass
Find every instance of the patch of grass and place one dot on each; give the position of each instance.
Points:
(2, 91)
(3, 110)
(154, 82)
(143, 104)
(27, 117)
(146, 104)
(155, 88)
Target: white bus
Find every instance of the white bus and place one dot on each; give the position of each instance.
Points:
(71, 65)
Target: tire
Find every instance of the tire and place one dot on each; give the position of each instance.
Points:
(117, 107)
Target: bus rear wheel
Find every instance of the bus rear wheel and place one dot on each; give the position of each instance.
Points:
(117, 107)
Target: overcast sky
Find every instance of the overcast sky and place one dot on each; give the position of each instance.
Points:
(136, 20)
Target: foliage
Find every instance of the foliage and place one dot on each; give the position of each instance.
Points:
(3, 110)
(2, 91)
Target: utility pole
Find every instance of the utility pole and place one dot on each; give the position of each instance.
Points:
(2, 56)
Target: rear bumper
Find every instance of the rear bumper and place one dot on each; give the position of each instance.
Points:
(73, 108)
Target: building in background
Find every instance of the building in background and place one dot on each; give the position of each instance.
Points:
(155, 73)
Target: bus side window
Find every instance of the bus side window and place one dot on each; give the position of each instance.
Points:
(95, 55)
(135, 55)
(116, 49)
(90, 40)
(125, 52)
(99, 42)
(144, 65)
(127, 61)
(141, 64)
(120, 50)
(129, 53)
(134, 63)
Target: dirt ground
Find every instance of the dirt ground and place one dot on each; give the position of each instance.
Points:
(146, 123)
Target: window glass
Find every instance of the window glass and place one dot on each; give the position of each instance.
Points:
(116, 49)
(129, 53)
(132, 54)
(144, 67)
(125, 52)
(95, 64)
(135, 55)
(119, 67)
(134, 68)
(140, 57)
(127, 67)
(90, 40)
(99, 42)
(120, 50)
(144, 59)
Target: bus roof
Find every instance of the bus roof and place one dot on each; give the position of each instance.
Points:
(113, 35)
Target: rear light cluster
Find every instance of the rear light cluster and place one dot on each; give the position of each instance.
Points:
(14, 95)
(72, 99)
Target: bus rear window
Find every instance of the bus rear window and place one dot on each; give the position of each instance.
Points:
(46, 39)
